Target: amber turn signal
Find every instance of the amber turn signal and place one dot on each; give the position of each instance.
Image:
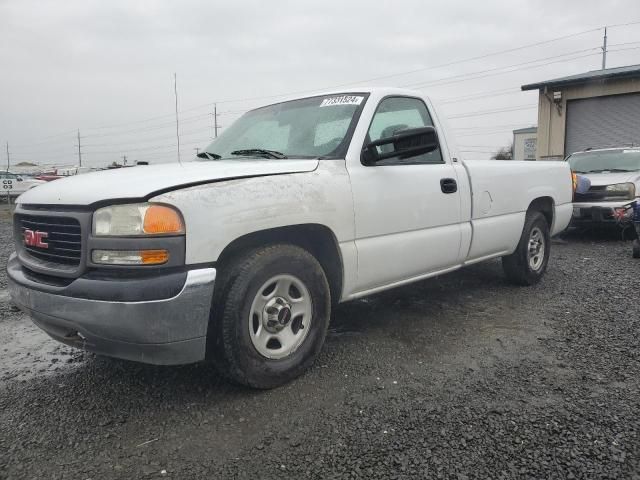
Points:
(130, 257)
(159, 219)
(154, 257)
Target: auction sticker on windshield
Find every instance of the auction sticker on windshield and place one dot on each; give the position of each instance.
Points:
(342, 100)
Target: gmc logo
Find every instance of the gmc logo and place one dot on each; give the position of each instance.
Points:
(35, 239)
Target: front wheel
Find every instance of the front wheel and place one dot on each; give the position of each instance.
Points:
(528, 263)
(271, 316)
(636, 248)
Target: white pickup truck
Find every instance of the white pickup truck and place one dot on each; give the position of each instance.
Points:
(240, 255)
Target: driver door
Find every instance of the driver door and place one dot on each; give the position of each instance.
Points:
(407, 210)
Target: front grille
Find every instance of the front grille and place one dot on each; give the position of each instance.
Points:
(64, 238)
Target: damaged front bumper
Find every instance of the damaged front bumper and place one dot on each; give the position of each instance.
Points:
(163, 331)
(596, 213)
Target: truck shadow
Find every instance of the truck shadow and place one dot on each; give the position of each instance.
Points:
(388, 332)
(420, 301)
(400, 315)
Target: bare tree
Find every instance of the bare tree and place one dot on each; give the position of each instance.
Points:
(504, 153)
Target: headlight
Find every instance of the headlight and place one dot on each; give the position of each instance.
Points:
(137, 219)
(623, 190)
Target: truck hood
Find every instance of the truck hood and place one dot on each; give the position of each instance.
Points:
(598, 179)
(145, 180)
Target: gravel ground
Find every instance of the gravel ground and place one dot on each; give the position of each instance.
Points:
(458, 377)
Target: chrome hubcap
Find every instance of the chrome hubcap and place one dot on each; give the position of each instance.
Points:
(280, 316)
(536, 249)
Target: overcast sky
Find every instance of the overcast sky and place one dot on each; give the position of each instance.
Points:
(106, 67)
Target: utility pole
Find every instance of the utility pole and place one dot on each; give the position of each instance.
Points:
(8, 158)
(215, 126)
(175, 91)
(79, 150)
(124, 159)
(604, 50)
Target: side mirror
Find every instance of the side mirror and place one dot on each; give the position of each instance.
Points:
(406, 144)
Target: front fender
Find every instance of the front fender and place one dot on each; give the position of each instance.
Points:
(216, 214)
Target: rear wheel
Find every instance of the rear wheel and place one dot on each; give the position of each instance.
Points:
(636, 248)
(528, 263)
(271, 316)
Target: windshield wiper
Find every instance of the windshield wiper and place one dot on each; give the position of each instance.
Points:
(208, 156)
(619, 170)
(260, 152)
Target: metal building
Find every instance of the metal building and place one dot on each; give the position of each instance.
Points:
(596, 109)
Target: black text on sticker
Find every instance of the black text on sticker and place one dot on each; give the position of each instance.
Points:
(342, 100)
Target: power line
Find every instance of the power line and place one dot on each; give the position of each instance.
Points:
(436, 82)
(48, 142)
(495, 132)
(148, 139)
(175, 90)
(147, 148)
(492, 94)
(616, 25)
(491, 112)
(148, 128)
(440, 81)
(489, 150)
(622, 44)
(479, 57)
(479, 146)
(624, 49)
(431, 85)
(497, 69)
(125, 144)
(492, 127)
(397, 74)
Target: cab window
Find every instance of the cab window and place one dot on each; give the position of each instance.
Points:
(395, 114)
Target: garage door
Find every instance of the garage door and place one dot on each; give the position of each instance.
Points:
(603, 122)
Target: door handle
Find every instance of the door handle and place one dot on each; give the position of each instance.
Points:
(448, 185)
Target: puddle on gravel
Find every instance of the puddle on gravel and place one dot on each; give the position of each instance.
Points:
(28, 352)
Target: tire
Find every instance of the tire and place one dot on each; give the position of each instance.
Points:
(254, 341)
(636, 248)
(525, 267)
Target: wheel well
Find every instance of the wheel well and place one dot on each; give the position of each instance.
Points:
(317, 239)
(543, 205)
